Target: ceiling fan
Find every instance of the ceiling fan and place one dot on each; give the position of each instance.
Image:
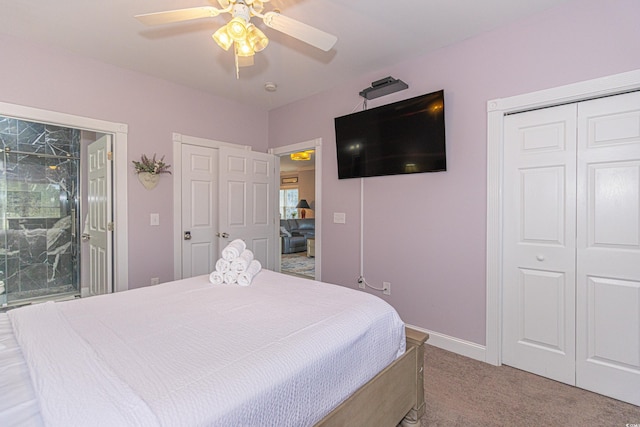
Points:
(239, 32)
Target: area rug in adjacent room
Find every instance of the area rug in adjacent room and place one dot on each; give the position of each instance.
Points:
(299, 264)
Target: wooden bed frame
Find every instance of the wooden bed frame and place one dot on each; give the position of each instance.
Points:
(394, 396)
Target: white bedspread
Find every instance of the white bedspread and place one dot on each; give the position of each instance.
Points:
(282, 351)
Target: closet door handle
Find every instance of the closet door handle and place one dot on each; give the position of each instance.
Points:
(187, 235)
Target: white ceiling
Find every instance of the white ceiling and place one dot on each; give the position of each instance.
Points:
(372, 34)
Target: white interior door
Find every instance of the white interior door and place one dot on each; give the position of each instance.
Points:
(539, 242)
(608, 266)
(100, 216)
(199, 209)
(248, 183)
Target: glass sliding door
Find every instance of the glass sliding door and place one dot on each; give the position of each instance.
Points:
(39, 212)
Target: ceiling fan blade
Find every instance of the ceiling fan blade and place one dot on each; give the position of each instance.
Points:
(178, 15)
(299, 30)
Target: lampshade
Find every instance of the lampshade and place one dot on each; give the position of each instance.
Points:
(223, 38)
(237, 28)
(256, 38)
(302, 204)
(243, 49)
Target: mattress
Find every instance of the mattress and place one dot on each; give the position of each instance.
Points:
(18, 404)
(283, 351)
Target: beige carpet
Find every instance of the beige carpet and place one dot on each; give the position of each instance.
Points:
(464, 392)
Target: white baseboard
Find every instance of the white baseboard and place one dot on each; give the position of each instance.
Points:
(454, 345)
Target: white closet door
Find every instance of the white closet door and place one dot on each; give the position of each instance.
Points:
(199, 210)
(539, 245)
(608, 247)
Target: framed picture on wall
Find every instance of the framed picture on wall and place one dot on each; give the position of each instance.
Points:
(290, 180)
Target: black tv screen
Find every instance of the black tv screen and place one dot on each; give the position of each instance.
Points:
(400, 138)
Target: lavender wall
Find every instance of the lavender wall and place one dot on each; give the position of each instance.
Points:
(53, 80)
(425, 233)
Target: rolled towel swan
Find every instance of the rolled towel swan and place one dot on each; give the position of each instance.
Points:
(246, 277)
(216, 278)
(222, 265)
(234, 249)
(241, 263)
(230, 277)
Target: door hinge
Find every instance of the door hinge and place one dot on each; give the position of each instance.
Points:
(109, 155)
(110, 226)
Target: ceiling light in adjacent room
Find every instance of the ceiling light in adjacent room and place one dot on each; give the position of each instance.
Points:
(302, 155)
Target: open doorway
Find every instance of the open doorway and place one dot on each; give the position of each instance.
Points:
(42, 209)
(299, 205)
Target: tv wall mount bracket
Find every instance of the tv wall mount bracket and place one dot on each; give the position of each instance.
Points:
(383, 87)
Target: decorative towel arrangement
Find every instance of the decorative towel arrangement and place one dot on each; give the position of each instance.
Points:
(237, 265)
(233, 250)
(241, 263)
(245, 277)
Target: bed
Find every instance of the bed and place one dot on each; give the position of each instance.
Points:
(283, 351)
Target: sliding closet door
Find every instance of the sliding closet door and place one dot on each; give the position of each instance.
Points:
(608, 247)
(539, 245)
(571, 272)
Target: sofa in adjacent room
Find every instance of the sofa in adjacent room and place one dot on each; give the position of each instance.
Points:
(294, 234)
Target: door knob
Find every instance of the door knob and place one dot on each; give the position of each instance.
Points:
(540, 257)
(187, 235)
(223, 235)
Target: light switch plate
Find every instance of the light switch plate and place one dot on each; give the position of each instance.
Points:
(154, 219)
(339, 218)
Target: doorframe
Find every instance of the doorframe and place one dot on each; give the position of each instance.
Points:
(178, 141)
(119, 133)
(496, 110)
(315, 144)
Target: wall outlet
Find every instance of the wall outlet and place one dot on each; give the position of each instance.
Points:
(361, 284)
(155, 280)
(386, 288)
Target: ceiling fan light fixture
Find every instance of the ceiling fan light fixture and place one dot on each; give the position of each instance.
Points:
(256, 38)
(243, 48)
(240, 32)
(223, 38)
(256, 5)
(244, 61)
(237, 29)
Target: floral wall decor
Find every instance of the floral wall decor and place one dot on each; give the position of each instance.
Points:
(150, 169)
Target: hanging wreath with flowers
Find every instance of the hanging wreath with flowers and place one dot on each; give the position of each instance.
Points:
(150, 169)
(151, 165)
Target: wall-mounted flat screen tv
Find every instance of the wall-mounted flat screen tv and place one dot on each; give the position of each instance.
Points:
(400, 138)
